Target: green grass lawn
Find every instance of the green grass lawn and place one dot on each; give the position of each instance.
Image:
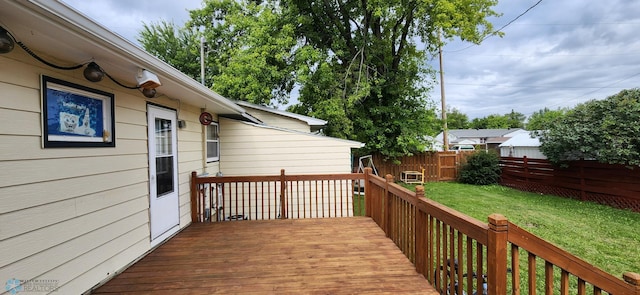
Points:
(605, 237)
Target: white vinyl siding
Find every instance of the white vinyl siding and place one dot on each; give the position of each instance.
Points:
(251, 149)
(522, 151)
(78, 215)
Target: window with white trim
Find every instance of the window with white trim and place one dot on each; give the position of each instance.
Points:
(213, 142)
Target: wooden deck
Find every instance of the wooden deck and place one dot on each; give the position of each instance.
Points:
(293, 256)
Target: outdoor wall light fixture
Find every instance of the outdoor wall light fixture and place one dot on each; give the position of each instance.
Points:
(93, 72)
(147, 81)
(6, 41)
(149, 92)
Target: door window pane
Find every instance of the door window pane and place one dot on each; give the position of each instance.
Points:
(164, 175)
(163, 137)
(164, 157)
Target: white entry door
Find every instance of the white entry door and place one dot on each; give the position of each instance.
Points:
(163, 173)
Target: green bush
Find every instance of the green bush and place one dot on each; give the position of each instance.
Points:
(481, 168)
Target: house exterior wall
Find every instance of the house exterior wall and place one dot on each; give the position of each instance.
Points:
(522, 151)
(276, 120)
(249, 149)
(210, 167)
(77, 215)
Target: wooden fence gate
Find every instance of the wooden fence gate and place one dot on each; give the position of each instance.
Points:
(448, 166)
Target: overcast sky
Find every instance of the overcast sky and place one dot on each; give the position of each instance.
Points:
(560, 53)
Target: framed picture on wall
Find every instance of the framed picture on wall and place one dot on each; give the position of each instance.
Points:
(76, 116)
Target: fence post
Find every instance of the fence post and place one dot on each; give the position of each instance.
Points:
(525, 163)
(438, 167)
(283, 199)
(583, 193)
(497, 254)
(367, 192)
(194, 197)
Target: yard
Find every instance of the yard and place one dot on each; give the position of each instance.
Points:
(606, 237)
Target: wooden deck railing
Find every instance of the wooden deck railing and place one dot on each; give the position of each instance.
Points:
(274, 197)
(461, 254)
(456, 253)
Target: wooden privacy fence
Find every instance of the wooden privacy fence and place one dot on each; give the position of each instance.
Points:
(461, 255)
(614, 185)
(438, 166)
(456, 253)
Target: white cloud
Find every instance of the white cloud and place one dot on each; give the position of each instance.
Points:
(127, 17)
(557, 55)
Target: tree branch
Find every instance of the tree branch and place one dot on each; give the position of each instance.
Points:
(403, 40)
(342, 25)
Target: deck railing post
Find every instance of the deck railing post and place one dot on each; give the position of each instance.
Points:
(283, 191)
(419, 233)
(194, 197)
(419, 191)
(367, 192)
(633, 279)
(497, 254)
(387, 201)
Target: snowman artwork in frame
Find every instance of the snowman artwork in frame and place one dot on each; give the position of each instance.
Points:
(76, 116)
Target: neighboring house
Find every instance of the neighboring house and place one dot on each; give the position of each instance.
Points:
(481, 138)
(433, 145)
(94, 175)
(521, 145)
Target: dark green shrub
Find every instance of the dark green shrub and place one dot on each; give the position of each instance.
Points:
(481, 168)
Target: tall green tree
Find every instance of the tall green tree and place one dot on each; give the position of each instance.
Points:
(515, 119)
(178, 47)
(358, 64)
(493, 121)
(544, 119)
(457, 119)
(372, 67)
(251, 47)
(605, 130)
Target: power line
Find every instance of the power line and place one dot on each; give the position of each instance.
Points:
(500, 29)
(513, 20)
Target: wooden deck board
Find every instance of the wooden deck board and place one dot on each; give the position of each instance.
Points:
(294, 256)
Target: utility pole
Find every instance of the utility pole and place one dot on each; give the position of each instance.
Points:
(202, 44)
(445, 139)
